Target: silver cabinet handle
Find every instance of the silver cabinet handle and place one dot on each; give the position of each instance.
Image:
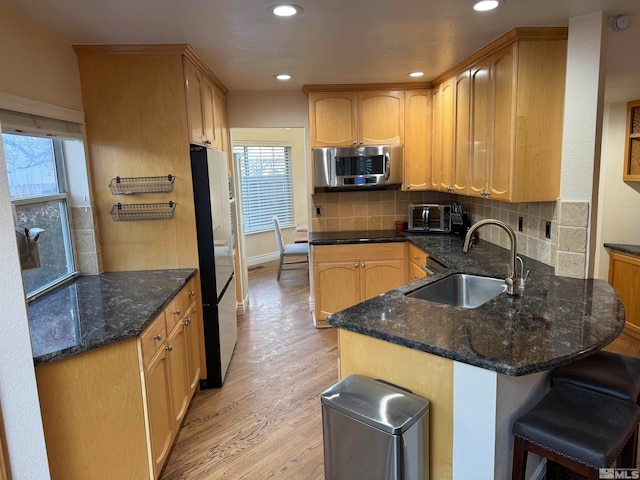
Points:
(187, 322)
(363, 265)
(158, 337)
(356, 265)
(169, 348)
(177, 312)
(192, 293)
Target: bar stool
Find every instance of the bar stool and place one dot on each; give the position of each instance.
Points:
(579, 429)
(604, 372)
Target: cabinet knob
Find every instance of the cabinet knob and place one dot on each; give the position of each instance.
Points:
(363, 265)
(177, 312)
(158, 337)
(361, 143)
(356, 265)
(207, 142)
(169, 348)
(187, 322)
(415, 257)
(192, 293)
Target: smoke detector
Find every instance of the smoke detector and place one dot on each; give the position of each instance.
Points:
(620, 22)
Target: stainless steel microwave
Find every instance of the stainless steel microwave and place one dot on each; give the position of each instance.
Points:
(355, 168)
(429, 218)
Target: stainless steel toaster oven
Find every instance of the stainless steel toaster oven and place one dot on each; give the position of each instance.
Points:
(429, 218)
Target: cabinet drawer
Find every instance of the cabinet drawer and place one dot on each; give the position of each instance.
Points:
(417, 256)
(175, 310)
(369, 251)
(153, 338)
(189, 294)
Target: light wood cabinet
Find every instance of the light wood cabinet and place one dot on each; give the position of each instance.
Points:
(416, 259)
(160, 411)
(516, 115)
(461, 135)
(479, 138)
(200, 95)
(417, 139)
(122, 401)
(193, 349)
(624, 277)
(356, 118)
(443, 131)
(632, 146)
(345, 275)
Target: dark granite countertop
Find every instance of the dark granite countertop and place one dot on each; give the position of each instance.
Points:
(359, 236)
(554, 321)
(93, 311)
(632, 249)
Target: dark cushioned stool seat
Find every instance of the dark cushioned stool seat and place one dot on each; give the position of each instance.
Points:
(579, 425)
(605, 372)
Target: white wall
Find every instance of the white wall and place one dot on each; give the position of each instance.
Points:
(40, 65)
(18, 391)
(618, 202)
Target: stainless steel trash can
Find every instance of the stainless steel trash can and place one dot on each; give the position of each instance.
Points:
(375, 431)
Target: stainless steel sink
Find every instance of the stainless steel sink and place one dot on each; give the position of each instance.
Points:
(461, 290)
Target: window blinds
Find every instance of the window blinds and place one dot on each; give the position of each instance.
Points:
(267, 186)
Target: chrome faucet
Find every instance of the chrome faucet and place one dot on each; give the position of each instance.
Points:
(512, 278)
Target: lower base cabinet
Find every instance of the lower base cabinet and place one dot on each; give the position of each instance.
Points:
(624, 277)
(345, 275)
(114, 412)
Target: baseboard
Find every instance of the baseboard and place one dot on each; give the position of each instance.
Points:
(242, 306)
(259, 259)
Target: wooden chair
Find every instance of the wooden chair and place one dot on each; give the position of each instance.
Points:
(289, 250)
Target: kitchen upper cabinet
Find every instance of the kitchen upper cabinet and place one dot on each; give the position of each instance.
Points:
(461, 134)
(443, 131)
(514, 125)
(200, 106)
(624, 277)
(479, 135)
(417, 139)
(632, 145)
(356, 118)
(345, 275)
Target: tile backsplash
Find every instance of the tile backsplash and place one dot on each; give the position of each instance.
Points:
(86, 240)
(554, 233)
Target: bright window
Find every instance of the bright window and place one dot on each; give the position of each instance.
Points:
(35, 168)
(267, 186)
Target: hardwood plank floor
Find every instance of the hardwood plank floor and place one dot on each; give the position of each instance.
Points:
(266, 421)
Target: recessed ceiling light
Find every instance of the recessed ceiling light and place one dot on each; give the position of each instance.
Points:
(283, 76)
(416, 74)
(485, 5)
(285, 10)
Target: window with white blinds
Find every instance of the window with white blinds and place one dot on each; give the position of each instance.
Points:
(267, 186)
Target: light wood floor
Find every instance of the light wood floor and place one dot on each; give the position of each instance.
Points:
(265, 422)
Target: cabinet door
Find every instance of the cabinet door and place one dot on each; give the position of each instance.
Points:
(448, 118)
(436, 151)
(480, 98)
(337, 286)
(161, 424)
(624, 277)
(462, 104)
(192, 327)
(503, 80)
(195, 114)
(377, 277)
(417, 146)
(180, 391)
(332, 118)
(415, 272)
(208, 109)
(380, 117)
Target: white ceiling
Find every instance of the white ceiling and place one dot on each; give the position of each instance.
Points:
(333, 41)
